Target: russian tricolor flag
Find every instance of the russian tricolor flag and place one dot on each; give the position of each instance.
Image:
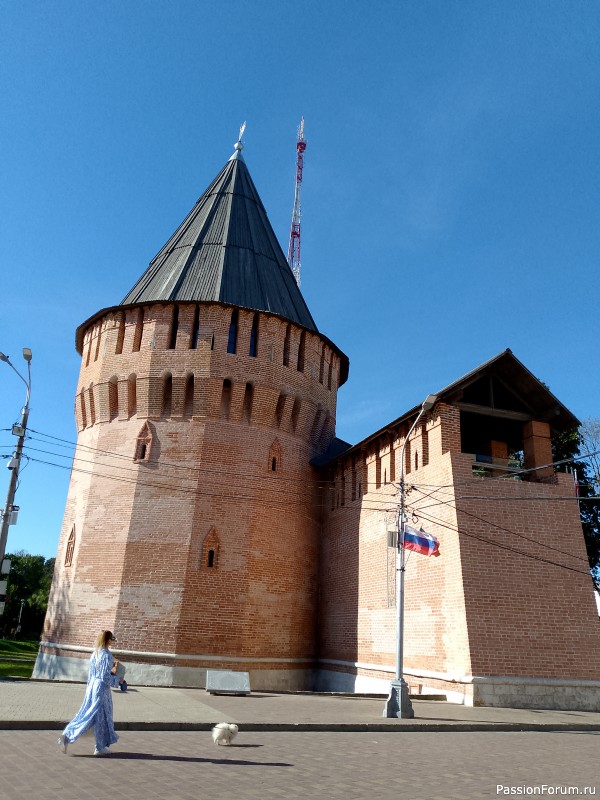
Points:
(420, 542)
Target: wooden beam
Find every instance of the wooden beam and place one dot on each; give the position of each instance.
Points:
(472, 408)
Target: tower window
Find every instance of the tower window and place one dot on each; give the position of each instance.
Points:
(233, 332)
(226, 399)
(139, 330)
(144, 444)
(295, 414)
(174, 328)
(92, 404)
(254, 337)
(131, 395)
(210, 550)
(167, 398)
(286, 346)
(70, 548)
(275, 456)
(89, 348)
(425, 444)
(188, 399)
(248, 397)
(99, 337)
(82, 408)
(120, 335)
(316, 426)
(301, 348)
(279, 410)
(195, 329)
(113, 398)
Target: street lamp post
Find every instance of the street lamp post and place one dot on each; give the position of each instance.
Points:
(15, 462)
(398, 703)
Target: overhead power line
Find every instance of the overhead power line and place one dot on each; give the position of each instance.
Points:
(236, 497)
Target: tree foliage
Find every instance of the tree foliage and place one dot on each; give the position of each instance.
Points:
(29, 580)
(583, 445)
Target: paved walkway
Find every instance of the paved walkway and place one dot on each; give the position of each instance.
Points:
(44, 705)
(278, 765)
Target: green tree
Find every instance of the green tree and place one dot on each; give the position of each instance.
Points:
(580, 442)
(29, 581)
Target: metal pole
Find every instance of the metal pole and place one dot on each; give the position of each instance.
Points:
(14, 476)
(398, 702)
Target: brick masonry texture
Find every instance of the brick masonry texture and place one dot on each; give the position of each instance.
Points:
(510, 595)
(196, 527)
(206, 540)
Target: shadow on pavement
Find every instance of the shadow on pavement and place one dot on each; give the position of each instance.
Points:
(186, 759)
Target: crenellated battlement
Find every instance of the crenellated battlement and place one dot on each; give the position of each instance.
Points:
(193, 361)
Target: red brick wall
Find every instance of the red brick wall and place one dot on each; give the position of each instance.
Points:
(479, 608)
(140, 561)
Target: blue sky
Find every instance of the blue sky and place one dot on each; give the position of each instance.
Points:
(450, 195)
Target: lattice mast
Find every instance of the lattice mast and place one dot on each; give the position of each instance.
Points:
(294, 246)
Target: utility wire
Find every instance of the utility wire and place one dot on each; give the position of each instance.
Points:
(240, 498)
(175, 489)
(501, 527)
(129, 459)
(327, 483)
(503, 546)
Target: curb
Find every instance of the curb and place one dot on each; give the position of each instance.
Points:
(318, 727)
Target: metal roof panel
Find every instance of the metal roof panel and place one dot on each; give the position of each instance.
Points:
(225, 250)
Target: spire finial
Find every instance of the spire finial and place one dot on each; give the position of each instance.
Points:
(238, 145)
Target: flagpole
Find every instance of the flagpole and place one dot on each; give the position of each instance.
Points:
(398, 702)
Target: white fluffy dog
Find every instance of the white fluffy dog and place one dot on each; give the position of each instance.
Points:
(224, 733)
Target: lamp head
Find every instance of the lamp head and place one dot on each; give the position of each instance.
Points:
(27, 353)
(3, 357)
(429, 402)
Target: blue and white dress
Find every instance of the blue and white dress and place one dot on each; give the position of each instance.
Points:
(97, 706)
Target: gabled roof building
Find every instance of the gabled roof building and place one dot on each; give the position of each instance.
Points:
(220, 523)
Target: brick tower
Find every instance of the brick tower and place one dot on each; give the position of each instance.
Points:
(506, 616)
(193, 510)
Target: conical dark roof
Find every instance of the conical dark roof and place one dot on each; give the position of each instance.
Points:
(225, 251)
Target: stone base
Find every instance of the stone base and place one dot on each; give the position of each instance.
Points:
(328, 680)
(549, 693)
(501, 692)
(53, 667)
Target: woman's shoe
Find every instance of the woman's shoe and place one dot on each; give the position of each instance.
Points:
(104, 751)
(123, 686)
(63, 743)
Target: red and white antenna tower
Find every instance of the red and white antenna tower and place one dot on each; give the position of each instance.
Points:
(294, 246)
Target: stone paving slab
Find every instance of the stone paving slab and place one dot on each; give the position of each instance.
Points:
(49, 705)
(298, 766)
